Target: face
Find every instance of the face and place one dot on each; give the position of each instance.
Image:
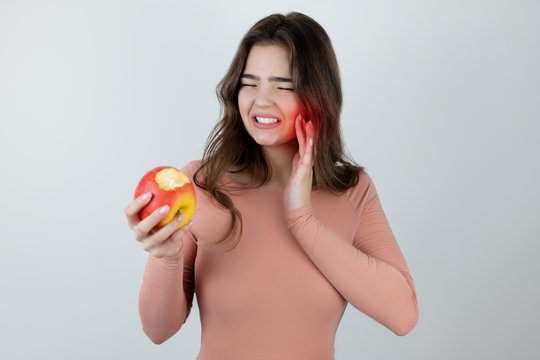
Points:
(267, 100)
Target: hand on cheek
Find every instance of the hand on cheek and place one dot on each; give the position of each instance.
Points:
(298, 191)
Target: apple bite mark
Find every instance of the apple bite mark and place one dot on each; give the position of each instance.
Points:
(170, 178)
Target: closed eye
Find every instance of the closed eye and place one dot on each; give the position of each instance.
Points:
(282, 88)
(248, 85)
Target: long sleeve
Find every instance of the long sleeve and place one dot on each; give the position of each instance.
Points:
(166, 293)
(369, 271)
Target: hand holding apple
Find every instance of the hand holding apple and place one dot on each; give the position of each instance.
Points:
(166, 241)
(169, 186)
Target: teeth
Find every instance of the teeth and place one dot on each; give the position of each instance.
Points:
(265, 120)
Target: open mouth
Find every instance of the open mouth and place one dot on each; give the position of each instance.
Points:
(265, 123)
(266, 120)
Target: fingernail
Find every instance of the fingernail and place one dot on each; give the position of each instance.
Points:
(310, 142)
(164, 210)
(181, 217)
(147, 196)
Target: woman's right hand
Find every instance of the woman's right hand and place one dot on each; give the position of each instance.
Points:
(160, 242)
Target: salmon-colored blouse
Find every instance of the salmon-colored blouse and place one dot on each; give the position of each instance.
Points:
(281, 293)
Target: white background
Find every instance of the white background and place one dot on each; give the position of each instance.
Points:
(441, 105)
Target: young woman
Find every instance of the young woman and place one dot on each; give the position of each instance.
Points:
(287, 230)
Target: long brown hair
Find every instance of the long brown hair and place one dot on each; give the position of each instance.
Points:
(317, 83)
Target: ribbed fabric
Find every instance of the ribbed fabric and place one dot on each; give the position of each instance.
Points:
(281, 293)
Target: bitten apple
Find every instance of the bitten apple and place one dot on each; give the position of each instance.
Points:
(169, 186)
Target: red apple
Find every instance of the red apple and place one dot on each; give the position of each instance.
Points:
(169, 186)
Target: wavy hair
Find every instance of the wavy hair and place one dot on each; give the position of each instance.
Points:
(317, 82)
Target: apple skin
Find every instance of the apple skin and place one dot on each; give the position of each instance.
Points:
(169, 186)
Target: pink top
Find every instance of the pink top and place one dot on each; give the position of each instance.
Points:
(281, 293)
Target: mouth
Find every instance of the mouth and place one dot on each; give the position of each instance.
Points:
(265, 121)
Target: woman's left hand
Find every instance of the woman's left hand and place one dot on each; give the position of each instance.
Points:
(298, 191)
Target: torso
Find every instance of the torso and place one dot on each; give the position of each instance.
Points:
(244, 179)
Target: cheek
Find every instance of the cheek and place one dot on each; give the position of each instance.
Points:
(243, 102)
(244, 105)
(245, 99)
(293, 107)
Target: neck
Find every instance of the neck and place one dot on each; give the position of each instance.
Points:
(281, 158)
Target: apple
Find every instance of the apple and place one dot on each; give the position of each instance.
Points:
(169, 186)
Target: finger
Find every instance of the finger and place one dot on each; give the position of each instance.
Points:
(184, 229)
(178, 234)
(310, 131)
(299, 126)
(308, 136)
(166, 231)
(308, 156)
(133, 208)
(142, 229)
(161, 245)
(307, 159)
(311, 136)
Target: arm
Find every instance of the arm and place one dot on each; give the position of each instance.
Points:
(371, 273)
(166, 294)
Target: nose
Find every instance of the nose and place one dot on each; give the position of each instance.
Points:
(264, 97)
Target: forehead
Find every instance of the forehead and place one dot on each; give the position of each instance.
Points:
(268, 59)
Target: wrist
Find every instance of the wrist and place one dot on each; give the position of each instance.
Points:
(293, 215)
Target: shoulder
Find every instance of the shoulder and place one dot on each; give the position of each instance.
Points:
(190, 168)
(363, 193)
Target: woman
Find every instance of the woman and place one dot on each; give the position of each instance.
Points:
(286, 230)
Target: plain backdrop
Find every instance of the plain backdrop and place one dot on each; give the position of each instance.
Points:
(441, 105)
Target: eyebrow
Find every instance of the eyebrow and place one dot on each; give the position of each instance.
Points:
(271, 78)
